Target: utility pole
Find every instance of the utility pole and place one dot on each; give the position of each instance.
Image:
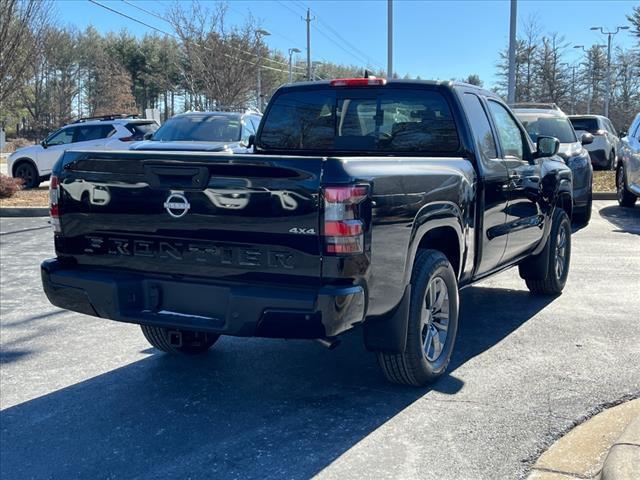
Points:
(607, 96)
(511, 89)
(389, 39)
(308, 20)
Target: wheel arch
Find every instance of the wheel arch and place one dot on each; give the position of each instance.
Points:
(20, 160)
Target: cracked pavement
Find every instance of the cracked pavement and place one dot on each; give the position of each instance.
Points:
(88, 398)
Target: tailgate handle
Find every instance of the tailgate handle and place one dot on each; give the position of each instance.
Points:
(177, 177)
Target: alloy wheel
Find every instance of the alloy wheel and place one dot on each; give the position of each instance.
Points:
(435, 319)
(561, 252)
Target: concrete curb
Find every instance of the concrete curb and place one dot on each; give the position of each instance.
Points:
(623, 459)
(581, 453)
(604, 195)
(24, 211)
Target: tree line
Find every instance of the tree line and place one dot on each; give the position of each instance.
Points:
(52, 74)
(544, 74)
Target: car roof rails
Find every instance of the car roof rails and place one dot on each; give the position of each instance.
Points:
(233, 109)
(551, 106)
(105, 118)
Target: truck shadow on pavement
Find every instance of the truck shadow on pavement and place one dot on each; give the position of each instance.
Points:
(251, 408)
(627, 220)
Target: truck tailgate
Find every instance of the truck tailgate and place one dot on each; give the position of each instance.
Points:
(242, 218)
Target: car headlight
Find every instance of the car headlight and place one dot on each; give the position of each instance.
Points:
(581, 161)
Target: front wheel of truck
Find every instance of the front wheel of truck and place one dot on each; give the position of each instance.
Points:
(433, 323)
(186, 342)
(557, 255)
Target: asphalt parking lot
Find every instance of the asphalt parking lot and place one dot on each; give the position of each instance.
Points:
(88, 398)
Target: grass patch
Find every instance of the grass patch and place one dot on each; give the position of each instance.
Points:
(36, 197)
(604, 181)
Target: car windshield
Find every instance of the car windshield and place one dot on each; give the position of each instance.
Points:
(548, 126)
(361, 120)
(585, 124)
(199, 128)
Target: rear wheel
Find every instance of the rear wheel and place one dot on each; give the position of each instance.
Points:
(432, 323)
(625, 197)
(28, 173)
(557, 254)
(176, 341)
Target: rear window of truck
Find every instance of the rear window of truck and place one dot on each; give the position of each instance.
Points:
(360, 120)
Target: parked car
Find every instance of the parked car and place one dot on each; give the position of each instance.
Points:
(538, 105)
(220, 131)
(112, 132)
(628, 167)
(554, 123)
(604, 148)
(365, 202)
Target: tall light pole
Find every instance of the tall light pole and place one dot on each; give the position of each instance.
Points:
(259, 34)
(511, 86)
(389, 39)
(590, 74)
(607, 97)
(573, 86)
(291, 52)
(308, 20)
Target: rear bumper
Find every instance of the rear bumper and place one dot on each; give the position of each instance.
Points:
(239, 309)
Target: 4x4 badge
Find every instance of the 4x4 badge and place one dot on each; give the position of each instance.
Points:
(303, 231)
(177, 205)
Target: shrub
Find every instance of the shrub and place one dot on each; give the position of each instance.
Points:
(9, 186)
(13, 145)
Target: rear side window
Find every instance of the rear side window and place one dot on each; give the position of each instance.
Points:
(366, 120)
(85, 133)
(585, 124)
(138, 130)
(480, 125)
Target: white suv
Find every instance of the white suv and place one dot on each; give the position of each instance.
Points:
(33, 164)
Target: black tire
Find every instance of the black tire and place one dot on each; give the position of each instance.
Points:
(28, 173)
(192, 343)
(556, 277)
(625, 197)
(582, 216)
(431, 271)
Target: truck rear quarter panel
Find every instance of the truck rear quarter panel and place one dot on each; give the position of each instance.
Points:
(409, 197)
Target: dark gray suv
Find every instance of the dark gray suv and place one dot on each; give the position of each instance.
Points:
(554, 123)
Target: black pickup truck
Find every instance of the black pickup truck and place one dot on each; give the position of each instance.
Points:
(366, 202)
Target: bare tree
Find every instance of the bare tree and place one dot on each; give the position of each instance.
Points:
(22, 25)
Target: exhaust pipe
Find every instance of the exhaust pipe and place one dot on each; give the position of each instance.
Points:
(329, 343)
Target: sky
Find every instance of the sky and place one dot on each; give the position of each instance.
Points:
(432, 39)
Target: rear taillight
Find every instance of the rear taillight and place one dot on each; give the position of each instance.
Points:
(343, 228)
(54, 198)
(357, 82)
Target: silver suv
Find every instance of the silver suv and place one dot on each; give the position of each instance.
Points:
(604, 149)
(628, 168)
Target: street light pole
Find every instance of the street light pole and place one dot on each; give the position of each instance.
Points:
(590, 75)
(259, 34)
(291, 52)
(607, 97)
(511, 87)
(389, 39)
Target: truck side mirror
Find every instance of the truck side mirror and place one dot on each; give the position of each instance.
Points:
(252, 141)
(547, 146)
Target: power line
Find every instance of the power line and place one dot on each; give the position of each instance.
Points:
(231, 46)
(178, 38)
